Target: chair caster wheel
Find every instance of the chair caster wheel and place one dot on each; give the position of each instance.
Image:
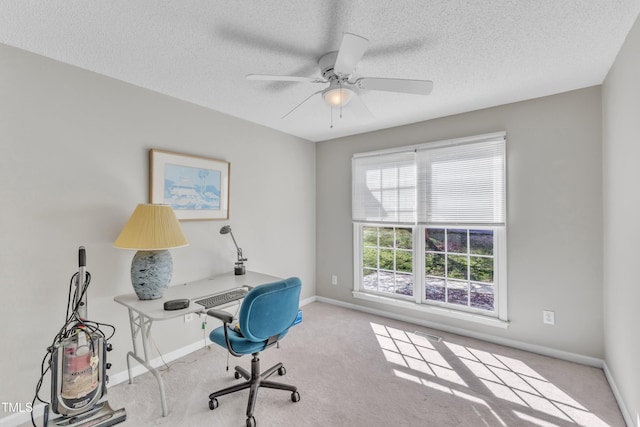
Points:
(213, 403)
(236, 375)
(251, 422)
(282, 371)
(295, 396)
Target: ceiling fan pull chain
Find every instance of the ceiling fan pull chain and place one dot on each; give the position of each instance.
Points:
(341, 99)
(331, 117)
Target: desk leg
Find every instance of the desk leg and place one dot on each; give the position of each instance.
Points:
(141, 325)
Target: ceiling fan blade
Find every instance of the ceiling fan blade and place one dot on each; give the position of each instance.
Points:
(270, 77)
(299, 105)
(257, 40)
(360, 110)
(419, 87)
(351, 51)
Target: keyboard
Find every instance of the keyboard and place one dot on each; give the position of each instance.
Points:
(225, 297)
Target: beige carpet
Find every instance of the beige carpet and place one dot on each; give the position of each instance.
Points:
(356, 369)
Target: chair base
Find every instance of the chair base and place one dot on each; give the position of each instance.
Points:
(254, 380)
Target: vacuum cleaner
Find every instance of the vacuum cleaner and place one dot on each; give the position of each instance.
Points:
(77, 360)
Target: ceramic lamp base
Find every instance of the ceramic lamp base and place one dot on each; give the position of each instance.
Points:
(151, 273)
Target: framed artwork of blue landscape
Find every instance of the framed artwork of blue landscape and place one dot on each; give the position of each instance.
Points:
(196, 187)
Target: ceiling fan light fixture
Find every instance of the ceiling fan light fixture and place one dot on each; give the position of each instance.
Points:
(337, 96)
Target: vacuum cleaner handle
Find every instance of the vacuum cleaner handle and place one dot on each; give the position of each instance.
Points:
(82, 257)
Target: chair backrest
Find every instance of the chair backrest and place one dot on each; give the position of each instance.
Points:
(270, 309)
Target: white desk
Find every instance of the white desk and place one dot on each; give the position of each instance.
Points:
(142, 313)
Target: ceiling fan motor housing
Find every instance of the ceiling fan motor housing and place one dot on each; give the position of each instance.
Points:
(327, 63)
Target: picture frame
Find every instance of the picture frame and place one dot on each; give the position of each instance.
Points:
(196, 187)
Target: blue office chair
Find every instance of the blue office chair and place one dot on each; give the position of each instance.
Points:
(266, 314)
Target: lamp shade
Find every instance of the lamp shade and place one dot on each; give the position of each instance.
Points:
(152, 230)
(152, 227)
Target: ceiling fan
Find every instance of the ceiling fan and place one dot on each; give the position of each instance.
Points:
(338, 70)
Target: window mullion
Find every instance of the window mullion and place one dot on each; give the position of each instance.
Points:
(500, 273)
(446, 265)
(395, 260)
(357, 258)
(468, 269)
(377, 258)
(419, 286)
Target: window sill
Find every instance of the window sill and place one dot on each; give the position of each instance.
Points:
(439, 311)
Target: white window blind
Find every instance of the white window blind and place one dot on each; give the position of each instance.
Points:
(462, 183)
(384, 188)
(454, 182)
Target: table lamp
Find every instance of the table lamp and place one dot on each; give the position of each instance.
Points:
(151, 230)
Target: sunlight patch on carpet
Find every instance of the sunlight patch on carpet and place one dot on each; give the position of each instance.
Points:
(469, 373)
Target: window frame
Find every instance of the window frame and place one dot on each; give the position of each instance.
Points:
(499, 271)
(497, 317)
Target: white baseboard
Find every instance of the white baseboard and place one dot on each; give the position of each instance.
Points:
(308, 301)
(138, 369)
(628, 418)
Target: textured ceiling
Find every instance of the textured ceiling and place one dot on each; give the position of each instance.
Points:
(477, 53)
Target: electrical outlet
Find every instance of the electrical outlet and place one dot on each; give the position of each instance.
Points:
(549, 317)
(189, 317)
(334, 280)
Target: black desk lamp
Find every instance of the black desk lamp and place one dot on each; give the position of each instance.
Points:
(239, 268)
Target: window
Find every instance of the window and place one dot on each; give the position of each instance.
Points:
(459, 267)
(387, 260)
(429, 224)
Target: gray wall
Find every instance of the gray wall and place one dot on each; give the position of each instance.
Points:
(554, 181)
(621, 125)
(74, 165)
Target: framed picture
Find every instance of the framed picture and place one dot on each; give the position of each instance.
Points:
(196, 187)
